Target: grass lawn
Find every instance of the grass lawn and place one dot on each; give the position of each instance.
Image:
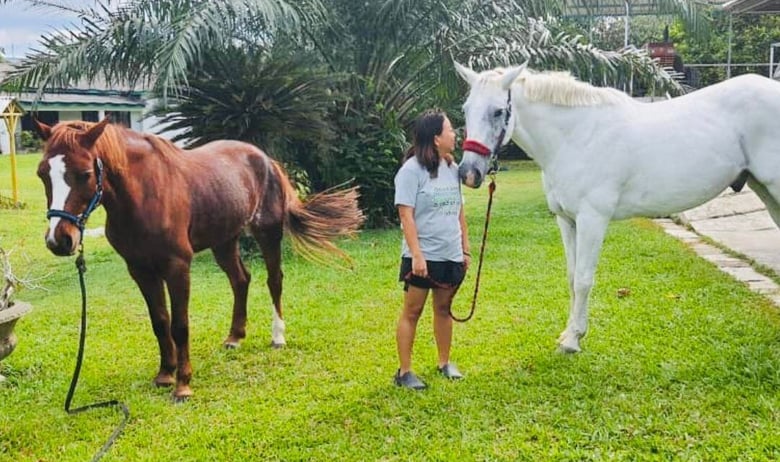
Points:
(687, 367)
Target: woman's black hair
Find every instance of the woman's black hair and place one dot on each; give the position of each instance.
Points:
(427, 126)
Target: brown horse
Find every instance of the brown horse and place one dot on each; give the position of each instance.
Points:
(163, 204)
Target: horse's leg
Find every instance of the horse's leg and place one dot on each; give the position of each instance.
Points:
(590, 230)
(151, 285)
(770, 198)
(270, 241)
(177, 277)
(228, 258)
(569, 237)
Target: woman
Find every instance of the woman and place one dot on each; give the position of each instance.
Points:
(435, 253)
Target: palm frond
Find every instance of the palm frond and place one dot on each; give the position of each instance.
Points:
(535, 43)
(418, 72)
(272, 101)
(151, 42)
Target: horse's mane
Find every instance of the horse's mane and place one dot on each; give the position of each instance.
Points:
(112, 143)
(562, 89)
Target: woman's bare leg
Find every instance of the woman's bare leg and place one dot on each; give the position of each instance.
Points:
(414, 302)
(442, 323)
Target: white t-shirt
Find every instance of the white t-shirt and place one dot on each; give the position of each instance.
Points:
(436, 202)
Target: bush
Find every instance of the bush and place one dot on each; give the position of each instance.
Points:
(31, 141)
(370, 146)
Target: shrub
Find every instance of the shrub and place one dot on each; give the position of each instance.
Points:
(31, 141)
(370, 144)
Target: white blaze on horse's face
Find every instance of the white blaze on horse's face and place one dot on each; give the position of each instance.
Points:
(488, 115)
(59, 194)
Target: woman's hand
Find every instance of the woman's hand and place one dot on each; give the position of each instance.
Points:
(419, 267)
(466, 261)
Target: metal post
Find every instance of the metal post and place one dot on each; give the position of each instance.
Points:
(731, 34)
(627, 25)
(772, 68)
(12, 119)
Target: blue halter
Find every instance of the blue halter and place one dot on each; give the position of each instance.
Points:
(81, 220)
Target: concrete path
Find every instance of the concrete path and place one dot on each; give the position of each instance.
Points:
(739, 222)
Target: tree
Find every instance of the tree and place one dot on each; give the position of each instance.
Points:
(386, 61)
(608, 32)
(156, 42)
(151, 43)
(752, 37)
(399, 57)
(271, 98)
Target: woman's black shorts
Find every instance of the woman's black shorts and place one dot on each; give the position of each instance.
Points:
(441, 274)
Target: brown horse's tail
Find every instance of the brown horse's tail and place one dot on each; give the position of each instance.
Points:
(317, 221)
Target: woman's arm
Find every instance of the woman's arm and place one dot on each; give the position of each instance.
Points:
(406, 213)
(464, 238)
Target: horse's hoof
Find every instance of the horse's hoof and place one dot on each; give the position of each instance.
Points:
(181, 394)
(164, 381)
(180, 399)
(569, 342)
(277, 346)
(568, 350)
(232, 342)
(569, 346)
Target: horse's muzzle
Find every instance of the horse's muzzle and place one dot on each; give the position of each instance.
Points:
(470, 176)
(62, 246)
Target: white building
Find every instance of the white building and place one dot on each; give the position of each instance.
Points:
(83, 101)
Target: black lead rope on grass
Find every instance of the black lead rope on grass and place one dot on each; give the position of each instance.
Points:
(82, 267)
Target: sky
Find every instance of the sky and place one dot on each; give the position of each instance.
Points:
(22, 25)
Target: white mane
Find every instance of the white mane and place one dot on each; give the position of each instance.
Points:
(561, 89)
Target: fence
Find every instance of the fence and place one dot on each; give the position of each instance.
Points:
(702, 75)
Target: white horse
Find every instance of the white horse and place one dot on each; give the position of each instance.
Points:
(605, 156)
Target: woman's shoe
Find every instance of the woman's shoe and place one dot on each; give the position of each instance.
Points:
(450, 371)
(409, 380)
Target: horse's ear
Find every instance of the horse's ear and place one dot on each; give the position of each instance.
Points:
(467, 74)
(44, 131)
(511, 75)
(91, 136)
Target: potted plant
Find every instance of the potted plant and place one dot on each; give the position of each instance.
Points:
(10, 310)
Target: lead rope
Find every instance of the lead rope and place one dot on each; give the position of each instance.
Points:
(82, 267)
(491, 189)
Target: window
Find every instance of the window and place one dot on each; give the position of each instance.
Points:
(89, 116)
(119, 117)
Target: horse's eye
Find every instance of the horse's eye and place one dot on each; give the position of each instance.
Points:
(498, 113)
(83, 177)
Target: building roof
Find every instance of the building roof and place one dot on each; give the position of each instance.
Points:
(8, 104)
(752, 6)
(595, 8)
(78, 101)
(8, 66)
(81, 96)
